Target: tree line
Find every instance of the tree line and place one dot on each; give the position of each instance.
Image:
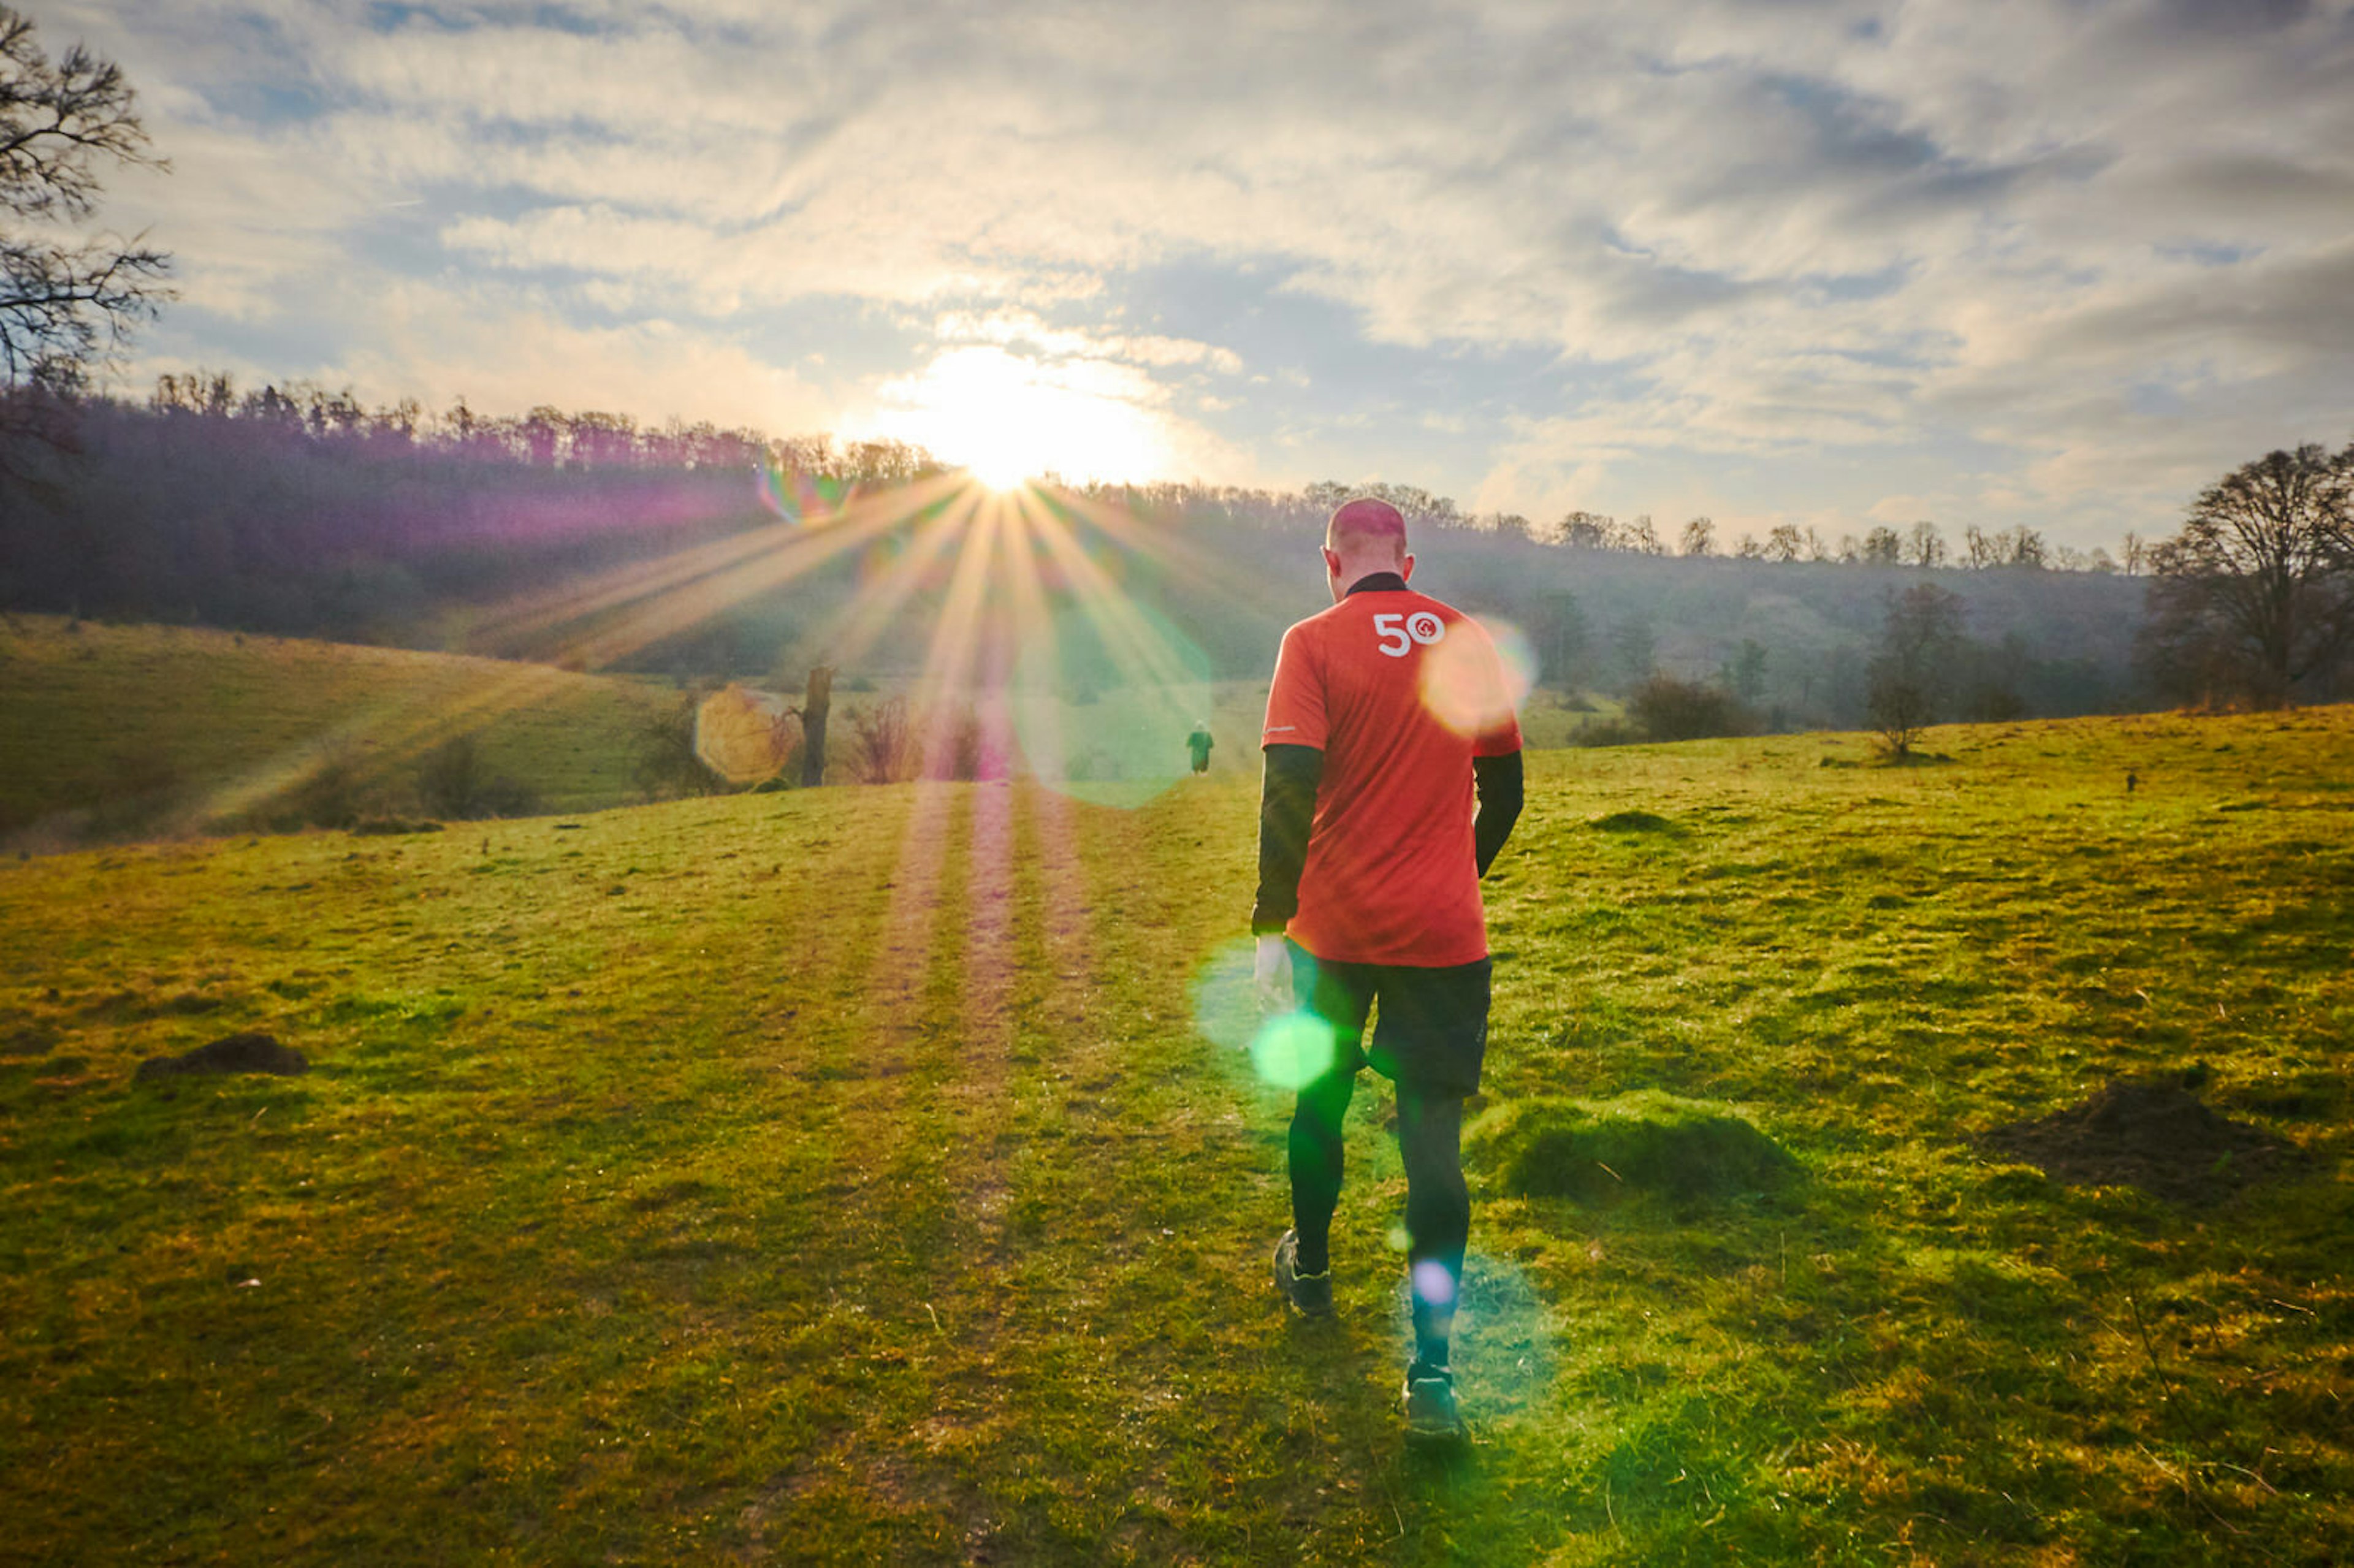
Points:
(544, 436)
(1922, 544)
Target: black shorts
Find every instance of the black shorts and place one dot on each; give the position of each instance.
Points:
(1430, 1033)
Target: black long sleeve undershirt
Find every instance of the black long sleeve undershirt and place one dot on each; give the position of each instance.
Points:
(1499, 779)
(1287, 809)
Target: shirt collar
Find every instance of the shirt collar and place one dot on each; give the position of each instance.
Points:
(1377, 582)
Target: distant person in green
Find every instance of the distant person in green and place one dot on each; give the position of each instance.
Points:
(1199, 743)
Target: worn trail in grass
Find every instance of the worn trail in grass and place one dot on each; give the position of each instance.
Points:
(841, 1176)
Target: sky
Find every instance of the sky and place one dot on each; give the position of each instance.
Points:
(2054, 263)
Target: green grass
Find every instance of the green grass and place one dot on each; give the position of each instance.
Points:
(840, 1176)
(112, 730)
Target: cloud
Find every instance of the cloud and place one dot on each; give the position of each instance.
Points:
(2018, 254)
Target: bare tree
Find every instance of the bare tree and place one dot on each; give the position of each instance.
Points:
(1907, 680)
(1586, 531)
(1700, 537)
(1925, 546)
(64, 301)
(2254, 600)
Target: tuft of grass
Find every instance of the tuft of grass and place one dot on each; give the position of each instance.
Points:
(1643, 1142)
(1632, 822)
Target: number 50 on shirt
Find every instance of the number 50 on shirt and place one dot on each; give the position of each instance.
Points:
(1397, 634)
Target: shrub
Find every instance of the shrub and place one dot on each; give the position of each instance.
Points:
(1670, 709)
(663, 762)
(882, 748)
(1609, 732)
(453, 781)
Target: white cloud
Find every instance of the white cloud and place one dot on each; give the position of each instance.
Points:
(430, 342)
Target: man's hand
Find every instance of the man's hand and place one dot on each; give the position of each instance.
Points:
(1271, 973)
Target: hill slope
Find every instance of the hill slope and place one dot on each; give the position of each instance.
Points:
(845, 1176)
(118, 727)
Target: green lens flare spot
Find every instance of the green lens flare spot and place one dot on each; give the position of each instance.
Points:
(1292, 1051)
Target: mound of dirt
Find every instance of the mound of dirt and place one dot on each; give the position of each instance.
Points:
(2152, 1133)
(230, 1054)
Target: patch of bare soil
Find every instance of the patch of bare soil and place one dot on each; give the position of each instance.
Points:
(2152, 1133)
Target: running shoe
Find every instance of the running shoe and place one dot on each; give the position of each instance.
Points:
(1428, 1402)
(1310, 1294)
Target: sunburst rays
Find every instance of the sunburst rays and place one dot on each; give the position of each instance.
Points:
(1018, 586)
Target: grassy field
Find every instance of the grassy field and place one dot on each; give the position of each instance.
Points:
(844, 1176)
(115, 730)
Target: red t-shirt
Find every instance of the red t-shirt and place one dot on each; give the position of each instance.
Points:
(1400, 692)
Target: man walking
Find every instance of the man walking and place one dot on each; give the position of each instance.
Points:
(1199, 743)
(1386, 710)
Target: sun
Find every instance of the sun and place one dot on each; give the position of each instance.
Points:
(1002, 468)
(1007, 419)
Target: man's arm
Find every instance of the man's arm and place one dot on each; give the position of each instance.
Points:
(1499, 779)
(1287, 808)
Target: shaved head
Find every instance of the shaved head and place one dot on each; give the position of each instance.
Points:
(1365, 537)
(1366, 525)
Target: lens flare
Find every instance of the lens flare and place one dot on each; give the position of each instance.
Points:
(1104, 699)
(1226, 1000)
(1470, 682)
(1506, 1341)
(743, 734)
(782, 491)
(1292, 1050)
(1433, 1284)
(1516, 655)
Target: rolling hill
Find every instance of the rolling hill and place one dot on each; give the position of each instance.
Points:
(120, 729)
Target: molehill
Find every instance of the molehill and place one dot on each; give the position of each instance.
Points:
(248, 1053)
(2152, 1133)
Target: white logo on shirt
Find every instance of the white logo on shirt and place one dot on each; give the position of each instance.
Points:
(1420, 627)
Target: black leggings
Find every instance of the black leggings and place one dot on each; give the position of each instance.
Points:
(1437, 1204)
